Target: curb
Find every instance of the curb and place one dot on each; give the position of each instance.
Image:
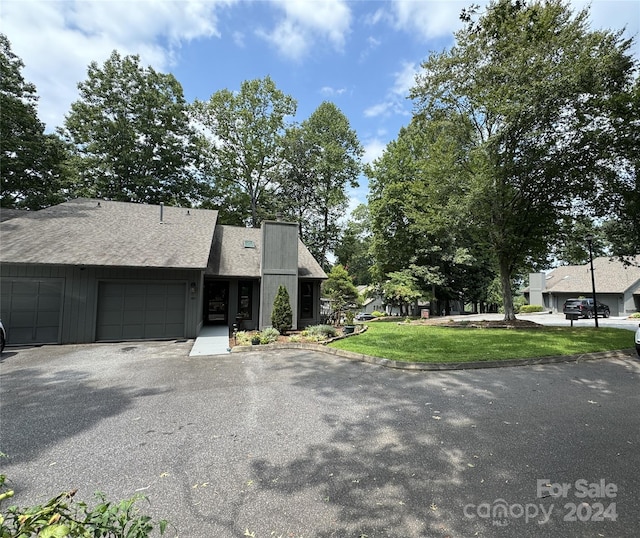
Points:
(441, 366)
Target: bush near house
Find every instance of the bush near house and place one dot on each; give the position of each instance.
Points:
(282, 315)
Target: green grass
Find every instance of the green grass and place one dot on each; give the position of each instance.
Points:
(425, 343)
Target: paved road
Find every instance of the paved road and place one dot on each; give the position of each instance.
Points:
(559, 320)
(303, 444)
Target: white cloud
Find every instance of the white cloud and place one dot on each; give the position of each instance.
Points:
(405, 79)
(330, 91)
(396, 98)
(71, 34)
(430, 18)
(373, 149)
(438, 18)
(305, 23)
(379, 109)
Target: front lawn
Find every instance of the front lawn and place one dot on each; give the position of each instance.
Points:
(428, 343)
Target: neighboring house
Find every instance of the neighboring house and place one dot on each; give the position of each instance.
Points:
(371, 301)
(95, 270)
(617, 285)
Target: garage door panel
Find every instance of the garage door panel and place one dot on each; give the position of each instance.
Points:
(24, 287)
(32, 310)
(138, 310)
(156, 302)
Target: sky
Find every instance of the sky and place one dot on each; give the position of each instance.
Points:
(362, 55)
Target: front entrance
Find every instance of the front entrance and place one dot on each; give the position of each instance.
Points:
(216, 302)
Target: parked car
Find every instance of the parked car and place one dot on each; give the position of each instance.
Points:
(363, 316)
(3, 337)
(638, 340)
(584, 308)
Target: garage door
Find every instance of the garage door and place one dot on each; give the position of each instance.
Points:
(31, 310)
(137, 310)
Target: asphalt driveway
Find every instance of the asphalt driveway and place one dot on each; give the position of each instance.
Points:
(303, 444)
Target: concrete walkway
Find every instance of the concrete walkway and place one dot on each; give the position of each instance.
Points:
(212, 340)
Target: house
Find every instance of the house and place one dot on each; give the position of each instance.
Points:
(617, 285)
(95, 270)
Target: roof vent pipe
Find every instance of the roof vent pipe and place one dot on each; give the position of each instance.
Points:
(161, 211)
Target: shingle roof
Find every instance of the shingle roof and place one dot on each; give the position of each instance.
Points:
(8, 214)
(103, 233)
(611, 276)
(230, 257)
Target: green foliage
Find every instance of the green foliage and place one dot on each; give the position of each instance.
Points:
(322, 331)
(322, 158)
(349, 316)
(32, 171)
(340, 289)
(635, 315)
(378, 314)
(529, 308)
(269, 335)
(132, 136)
(401, 289)
(244, 150)
(527, 86)
(282, 315)
(63, 517)
(353, 249)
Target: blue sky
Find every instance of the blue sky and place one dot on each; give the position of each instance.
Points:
(360, 54)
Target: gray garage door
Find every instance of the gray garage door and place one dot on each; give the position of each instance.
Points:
(138, 310)
(31, 310)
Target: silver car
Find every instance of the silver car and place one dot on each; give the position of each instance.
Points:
(638, 340)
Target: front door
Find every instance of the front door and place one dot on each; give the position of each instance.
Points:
(216, 302)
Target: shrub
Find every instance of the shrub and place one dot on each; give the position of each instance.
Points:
(378, 314)
(635, 315)
(528, 308)
(243, 338)
(269, 335)
(322, 331)
(60, 517)
(282, 315)
(349, 317)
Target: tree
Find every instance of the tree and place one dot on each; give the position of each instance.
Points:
(323, 159)
(245, 132)
(353, 250)
(339, 288)
(415, 211)
(282, 315)
(401, 289)
(536, 85)
(31, 163)
(132, 135)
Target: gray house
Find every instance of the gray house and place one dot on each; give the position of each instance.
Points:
(95, 270)
(617, 285)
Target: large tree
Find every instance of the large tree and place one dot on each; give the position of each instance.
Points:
(132, 135)
(323, 158)
(245, 132)
(536, 84)
(31, 163)
(417, 222)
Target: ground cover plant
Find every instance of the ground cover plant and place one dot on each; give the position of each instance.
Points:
(438, 343)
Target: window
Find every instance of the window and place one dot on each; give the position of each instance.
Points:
(306, 300)
(245, 299)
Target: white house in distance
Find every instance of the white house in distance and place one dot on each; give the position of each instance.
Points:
(617, 285)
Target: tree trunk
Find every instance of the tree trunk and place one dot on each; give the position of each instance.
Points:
(507, 297)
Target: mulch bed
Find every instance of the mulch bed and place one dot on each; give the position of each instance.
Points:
(480, 324)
